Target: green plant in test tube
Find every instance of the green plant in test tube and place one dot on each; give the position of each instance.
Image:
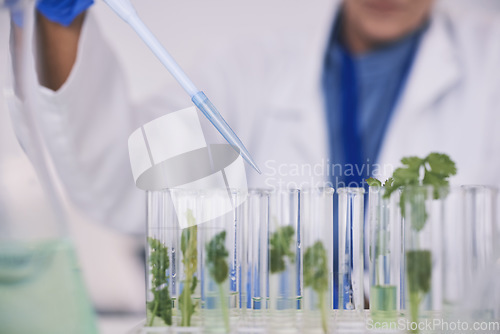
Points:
(436, 168)
(189, 249)
(316, 277)
(161, 305)
(219, 270)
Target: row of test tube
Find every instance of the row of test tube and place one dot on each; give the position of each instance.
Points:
(280, 261)
(295, 261)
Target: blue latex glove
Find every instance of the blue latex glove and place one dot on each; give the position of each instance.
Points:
(16, 12)
(62, 11)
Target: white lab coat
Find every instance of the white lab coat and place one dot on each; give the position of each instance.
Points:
(270, 93)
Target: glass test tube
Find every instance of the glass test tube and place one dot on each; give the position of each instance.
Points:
(316, 222)
(220, 263)
(386, 255)
(469, 237)
(351, 266)
(254, 262)
(173, 259)
(284, 256)
(423, 220)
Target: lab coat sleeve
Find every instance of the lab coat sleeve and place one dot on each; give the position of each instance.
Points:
(86, 124)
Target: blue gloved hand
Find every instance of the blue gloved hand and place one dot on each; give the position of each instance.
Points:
(62, 11)
(16, 12)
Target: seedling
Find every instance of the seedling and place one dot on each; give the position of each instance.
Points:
(189, 249)
(219, 270)
(433, 170)
(280, 247)
(316, 277)
(161, 305)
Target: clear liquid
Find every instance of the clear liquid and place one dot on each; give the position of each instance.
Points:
(383, 303)
(41, 290)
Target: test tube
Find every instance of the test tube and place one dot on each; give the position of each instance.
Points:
(254, 262)
(162, 231)
(351, 266)
(173, 293)
(423, 221)
(284, 258)
(386, 255)
(220, 263)
(316, 222)
(469, 235)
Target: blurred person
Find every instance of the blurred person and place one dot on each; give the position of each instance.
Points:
(373, 81)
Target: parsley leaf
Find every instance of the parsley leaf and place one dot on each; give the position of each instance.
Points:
(419, 276)
(218, 268)
(441, 164)
(217, 258)
(189, 249)
(373, 182)
(389, 182)
(436, 168)
(316, 268)
(159, 261)
(316, 276)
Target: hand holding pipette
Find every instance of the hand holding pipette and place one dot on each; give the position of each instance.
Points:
(126, 11)
(63, 11)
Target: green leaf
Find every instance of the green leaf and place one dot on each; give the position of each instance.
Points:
(417, 199)
(406, 176)
(280, 247)
(194, 283)
(413, 163)
(441, 164)
(419, 268)
(186, 306)
(316, 276)
(402, 203)
(218, 268)
(389, 182)
(373, 182)
(161, 305)
(159, 262)
(189, 249)
(437, 168)
(419, 274)
(316, 268)
(217, 258)
(438, 181)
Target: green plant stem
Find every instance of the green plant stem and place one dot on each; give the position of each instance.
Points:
(224, 307)
(153, 313)
(419, 268)
(415, 299)
(324, 313)
(189, 250)
(186, 310)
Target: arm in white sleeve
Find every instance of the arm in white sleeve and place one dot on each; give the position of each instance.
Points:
(86, 124)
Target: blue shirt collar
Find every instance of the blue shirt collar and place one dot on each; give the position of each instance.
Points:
(378, 62)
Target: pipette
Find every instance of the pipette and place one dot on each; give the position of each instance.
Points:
(127, 12)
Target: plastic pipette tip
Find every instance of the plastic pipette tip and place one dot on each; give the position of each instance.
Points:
(211, 113)
(250, 161)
